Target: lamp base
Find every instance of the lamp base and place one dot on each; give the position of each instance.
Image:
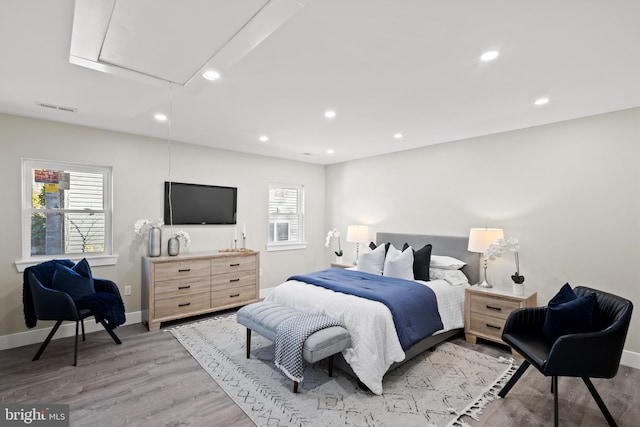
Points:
(484, 284)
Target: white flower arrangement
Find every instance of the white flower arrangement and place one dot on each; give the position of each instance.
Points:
(184, 236)
(330, 234)
(500, 247)
(142, 225)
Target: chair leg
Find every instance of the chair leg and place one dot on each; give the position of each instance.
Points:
(75, 347)
(514, 379)
(295, 386)
(599, 401)
(554, 386)
(110, 332)
(47, 340)
(82, 323)
(248, 342)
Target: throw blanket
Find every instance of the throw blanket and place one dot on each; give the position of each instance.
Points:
(105, 307)
(290, 337)
(413, 306)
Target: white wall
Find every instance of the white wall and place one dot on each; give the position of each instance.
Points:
(140, 167)
(569, 191)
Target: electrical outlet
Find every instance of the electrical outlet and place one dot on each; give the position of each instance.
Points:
(127, 290)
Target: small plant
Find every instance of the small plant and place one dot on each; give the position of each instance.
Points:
(498, 248)
(334, 233)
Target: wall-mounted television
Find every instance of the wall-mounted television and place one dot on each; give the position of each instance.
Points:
(187, 204)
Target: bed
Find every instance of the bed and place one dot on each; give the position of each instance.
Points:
(376, 346)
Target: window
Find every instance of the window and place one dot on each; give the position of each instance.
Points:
(286, 217)
(66, 211)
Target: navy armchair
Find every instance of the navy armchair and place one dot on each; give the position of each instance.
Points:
(586, 355)
(41, 302)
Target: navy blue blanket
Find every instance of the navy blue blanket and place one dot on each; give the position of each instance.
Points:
(414, 306)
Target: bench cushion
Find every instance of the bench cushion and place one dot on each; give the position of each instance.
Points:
(264, 318)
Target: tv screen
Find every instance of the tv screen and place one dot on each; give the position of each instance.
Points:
(199, 204)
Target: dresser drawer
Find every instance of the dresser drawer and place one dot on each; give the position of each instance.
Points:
(182, 305)
(487, 325)
(493, 306)
(227, 264)
(181, 287)
(182, 269)
(233, 280)
(233, 295)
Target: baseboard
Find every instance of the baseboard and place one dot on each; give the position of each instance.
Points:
(66, 330)
(631, 359)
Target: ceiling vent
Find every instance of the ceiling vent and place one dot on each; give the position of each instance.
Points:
(57, 107)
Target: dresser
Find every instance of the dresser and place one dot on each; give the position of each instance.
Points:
(486, 311)
(175, 287)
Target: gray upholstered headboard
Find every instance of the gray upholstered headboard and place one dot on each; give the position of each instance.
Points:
(453, 246)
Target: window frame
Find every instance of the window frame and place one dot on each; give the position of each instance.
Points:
(105, 257)
(300, 243)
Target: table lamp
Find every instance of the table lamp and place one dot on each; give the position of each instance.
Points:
(479, 240)
(357, 234)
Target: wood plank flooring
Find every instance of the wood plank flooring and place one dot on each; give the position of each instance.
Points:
(151, 380)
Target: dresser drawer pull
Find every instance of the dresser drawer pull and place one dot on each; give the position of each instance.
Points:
(184, 287)
(184, 270)
(234, 280)
(234, 295)
(184, 305)
(493, 327)
(234, 265)
(490, 307)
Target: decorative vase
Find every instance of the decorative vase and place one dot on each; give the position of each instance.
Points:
(173, 246)
(518, 289)
(338, 259)
(155, 236)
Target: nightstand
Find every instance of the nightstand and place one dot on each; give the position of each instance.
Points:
(333, 264)
(486, 311)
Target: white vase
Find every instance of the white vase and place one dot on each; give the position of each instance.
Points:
(338, 260)
(518, 289)
(173, 246)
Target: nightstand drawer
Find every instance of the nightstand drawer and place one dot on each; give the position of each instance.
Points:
(493, 306)
(486, 325)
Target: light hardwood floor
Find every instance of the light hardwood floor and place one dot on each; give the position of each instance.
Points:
(151, 380)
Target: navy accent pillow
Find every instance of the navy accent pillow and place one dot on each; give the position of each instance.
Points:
(568, 314)
(75, 281)
(372, 246)
(421, 261)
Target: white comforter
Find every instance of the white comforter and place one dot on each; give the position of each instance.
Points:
(375, 344)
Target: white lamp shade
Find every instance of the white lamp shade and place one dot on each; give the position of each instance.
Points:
(358, 234)
(481, 238)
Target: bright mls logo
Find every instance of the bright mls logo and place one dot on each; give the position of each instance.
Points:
(36, 415)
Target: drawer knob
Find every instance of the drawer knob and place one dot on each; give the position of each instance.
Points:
(490, 307)
(493, 327)
(184, 304)
(183, 270)
(234, 265)
(184, 287)
(234, 295)
(234, 280)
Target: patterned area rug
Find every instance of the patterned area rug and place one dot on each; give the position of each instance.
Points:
(434, 389)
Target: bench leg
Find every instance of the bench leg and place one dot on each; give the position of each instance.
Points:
(331, 365)
(248, 342)
(295, 386)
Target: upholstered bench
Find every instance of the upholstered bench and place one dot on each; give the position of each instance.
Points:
(264, 318)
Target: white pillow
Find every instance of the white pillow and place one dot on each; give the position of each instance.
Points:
(446, 262)
(371, 261)
(454, 277)
(399, 263)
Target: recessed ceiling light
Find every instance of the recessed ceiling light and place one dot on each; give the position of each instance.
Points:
(160, 117)
(489, 55)
(263, 138)
(330, 114)
(211, 75)
(541, 101)
(397, 135)
(330, 151)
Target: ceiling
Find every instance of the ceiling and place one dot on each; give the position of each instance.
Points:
(385, 67)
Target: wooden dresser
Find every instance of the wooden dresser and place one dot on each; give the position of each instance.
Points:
(486, 311)
(174, 287)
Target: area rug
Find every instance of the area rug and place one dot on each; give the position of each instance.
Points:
(436, 388)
